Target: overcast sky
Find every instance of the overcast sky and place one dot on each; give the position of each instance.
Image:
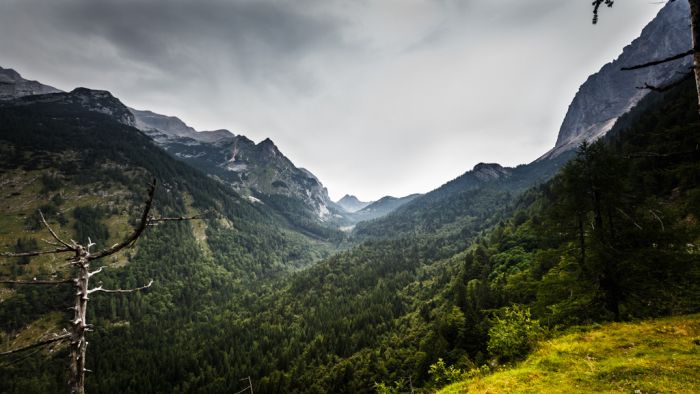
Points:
(374, 97)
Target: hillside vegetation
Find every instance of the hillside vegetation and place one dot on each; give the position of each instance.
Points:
(429, 291)
(652, 356)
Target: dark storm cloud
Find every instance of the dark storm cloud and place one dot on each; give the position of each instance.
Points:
(373, 96)
(260, 40)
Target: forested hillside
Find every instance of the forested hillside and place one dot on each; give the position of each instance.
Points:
(613, 236)
(88, 174)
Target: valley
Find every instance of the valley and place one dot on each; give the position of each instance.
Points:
(487, 283)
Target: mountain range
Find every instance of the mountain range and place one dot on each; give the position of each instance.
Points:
(301, 294)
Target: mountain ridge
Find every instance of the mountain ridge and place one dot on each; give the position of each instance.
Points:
(610, 92)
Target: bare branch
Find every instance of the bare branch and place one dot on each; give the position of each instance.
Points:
(630, 219)
(660, 61)
(35, 253)
(137, 231)
(36, 282)
(658, 218)
(95, 272)
(100, 289)
(670, 85)
(597, 4)
(37, 344)
(53, 233)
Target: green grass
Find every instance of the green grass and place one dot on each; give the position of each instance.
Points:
(655, 356)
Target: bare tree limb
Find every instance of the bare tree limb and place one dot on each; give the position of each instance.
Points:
(658, 218)
(95, 272)
(630, 219)
(597, 4)
(37, 344)
(36, 282)
(100, 289)
(137, 231)
(35, 253)
(54, 235)
(660, 61)
(670, 85)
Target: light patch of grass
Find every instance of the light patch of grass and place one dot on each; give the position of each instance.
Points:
(651, 356)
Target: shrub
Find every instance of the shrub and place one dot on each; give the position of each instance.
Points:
(513, 335)
(444, 374)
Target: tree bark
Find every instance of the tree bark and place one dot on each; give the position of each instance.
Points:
(79, 343)
(695, 28)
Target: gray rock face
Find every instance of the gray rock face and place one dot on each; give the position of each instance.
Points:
(486, 172)
(162, 126)
(12, 85)
(609, 93)
(260, 170)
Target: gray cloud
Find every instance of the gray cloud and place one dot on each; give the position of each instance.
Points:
(375, 97)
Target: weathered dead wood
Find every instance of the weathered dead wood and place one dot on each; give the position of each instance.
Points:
(80, 261)
(135, 234)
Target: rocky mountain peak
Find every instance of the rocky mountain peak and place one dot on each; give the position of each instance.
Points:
(610, 92)
(351, 203)
(100, 101)
(13, 86)
(490, 171)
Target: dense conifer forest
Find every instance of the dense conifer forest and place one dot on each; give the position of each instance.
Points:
(435, 288)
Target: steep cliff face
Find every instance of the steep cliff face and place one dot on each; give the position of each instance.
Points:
(259, 170)
(611, 92)
(12, 85)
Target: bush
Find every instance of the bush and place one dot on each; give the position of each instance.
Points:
(514, 335)
(444, 374)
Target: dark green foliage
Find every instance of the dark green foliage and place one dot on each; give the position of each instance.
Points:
(25, 244)
(514, 334)
(614, 235)
(88, 225)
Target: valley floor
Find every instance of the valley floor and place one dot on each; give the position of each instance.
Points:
(654, 356)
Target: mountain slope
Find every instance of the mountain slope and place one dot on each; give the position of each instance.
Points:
(382, 207)
(12, 85)
(259, 171)
(610, 92)
(449, 212)
(351, 203)
(651, 356)
(72, 156)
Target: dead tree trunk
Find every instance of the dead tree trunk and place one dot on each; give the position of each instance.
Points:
(695, 29)
(80, 263)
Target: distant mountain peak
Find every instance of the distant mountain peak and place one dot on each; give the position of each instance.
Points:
(351, 203)
(490, 171)
(13, 86)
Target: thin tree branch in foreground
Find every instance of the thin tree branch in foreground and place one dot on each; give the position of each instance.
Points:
(37, 282)
(137, 232)
(36, 253)
(100, 289)
(54, 235)
(669, 86)
(37, 344)
(660, 61)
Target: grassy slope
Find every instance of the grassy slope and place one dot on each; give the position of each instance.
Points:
(651, 356)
